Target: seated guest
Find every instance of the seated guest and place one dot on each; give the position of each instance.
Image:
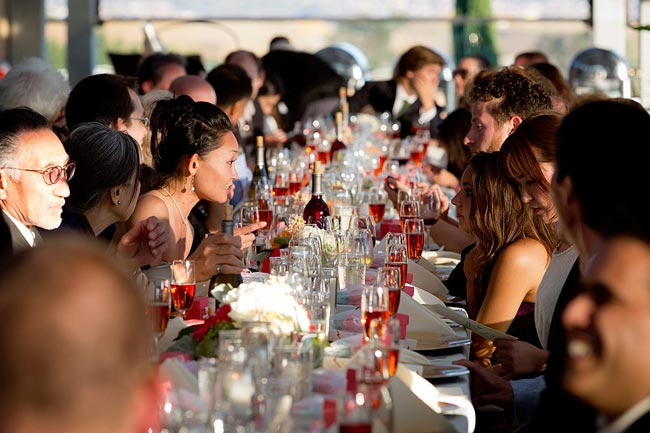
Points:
(410, 95)
(158, 70)
(608, 335)
(194, 150)
(40, 86)
(100, 198)
(512, 252)
(34, 174)
(466, 69)
(75, 343)
(234, 90)
(195, 87)
(108, 99)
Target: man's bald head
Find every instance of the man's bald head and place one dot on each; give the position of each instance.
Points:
(195, 87)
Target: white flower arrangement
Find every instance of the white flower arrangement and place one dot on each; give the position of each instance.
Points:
(271, 301)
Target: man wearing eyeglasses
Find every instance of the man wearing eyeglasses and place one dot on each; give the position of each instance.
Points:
(34, 169)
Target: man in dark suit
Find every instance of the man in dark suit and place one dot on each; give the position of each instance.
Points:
(410, 95)
(34, 169)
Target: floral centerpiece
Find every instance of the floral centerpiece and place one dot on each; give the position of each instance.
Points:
(271, 301)
(281, 240)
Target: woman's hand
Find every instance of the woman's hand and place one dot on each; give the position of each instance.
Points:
(218, 249)
(144, 243)
(518, 357)
(246, 235)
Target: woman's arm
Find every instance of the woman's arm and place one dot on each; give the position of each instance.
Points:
(516, 274)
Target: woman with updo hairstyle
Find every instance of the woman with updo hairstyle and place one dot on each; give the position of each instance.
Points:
(105, 190)
(194, 148)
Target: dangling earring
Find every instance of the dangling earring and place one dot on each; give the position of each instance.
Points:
(192, 183)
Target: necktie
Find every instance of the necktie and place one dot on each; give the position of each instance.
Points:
(405, 105)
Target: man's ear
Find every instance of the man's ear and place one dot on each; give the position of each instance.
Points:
(515, 121)
(3, 185)
(146, 86)
(120, 124)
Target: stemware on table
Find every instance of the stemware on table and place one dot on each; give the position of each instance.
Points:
(183, 285)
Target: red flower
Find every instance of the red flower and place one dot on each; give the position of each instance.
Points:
(221, 315)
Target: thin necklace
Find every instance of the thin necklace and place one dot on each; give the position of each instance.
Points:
(175, 204)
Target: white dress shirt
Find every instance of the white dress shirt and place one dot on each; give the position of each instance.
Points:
(401, 95)
(624, 421)
(22, 228)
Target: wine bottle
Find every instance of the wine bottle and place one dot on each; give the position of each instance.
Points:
(227, 226)
(316, 209)
(260, 176)
(339, 143)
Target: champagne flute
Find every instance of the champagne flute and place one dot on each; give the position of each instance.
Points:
(397, 257)
(158, 309)
(384, 339)
(391, 278)
(374, 305)
(414, 229)
(408, 209)
(183, 286)
(430, 210)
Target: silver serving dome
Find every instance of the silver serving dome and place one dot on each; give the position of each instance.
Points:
(348, 61)
(597, 70)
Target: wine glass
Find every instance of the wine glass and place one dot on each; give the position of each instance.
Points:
(374, 305)
(414, 229)
(376, 199)
(391, 278)
(430, 208)
(408, 209)
(397, 257)
(384, 340)
(158, 306)
(183, 286)
(249, 214)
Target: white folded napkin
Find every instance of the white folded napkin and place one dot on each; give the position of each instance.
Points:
(426, 298)
(426, 280)
(421, 319)
(415, 402)
(174, 326)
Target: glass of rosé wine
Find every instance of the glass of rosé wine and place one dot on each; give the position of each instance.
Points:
(157, 310)
(374, 305)
(183, 286)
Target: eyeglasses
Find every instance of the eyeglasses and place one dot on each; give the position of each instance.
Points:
(461, 72)
(54, 174)
(144, 120)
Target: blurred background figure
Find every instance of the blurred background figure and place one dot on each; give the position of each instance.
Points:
(109, 384)
(466, 70)
(158, 70)
(565, 98)
(268, 98)
(280, 43)
(195, 87)
(40, 86)
(528, 58)
(410, 95)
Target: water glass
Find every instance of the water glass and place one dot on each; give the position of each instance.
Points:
(158, 309)
(397, 257)
(278, 266)
(352, 269)
(208, 381)
(384, 344)
(293, 363)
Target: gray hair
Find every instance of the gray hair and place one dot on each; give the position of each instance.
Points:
(35, 84)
